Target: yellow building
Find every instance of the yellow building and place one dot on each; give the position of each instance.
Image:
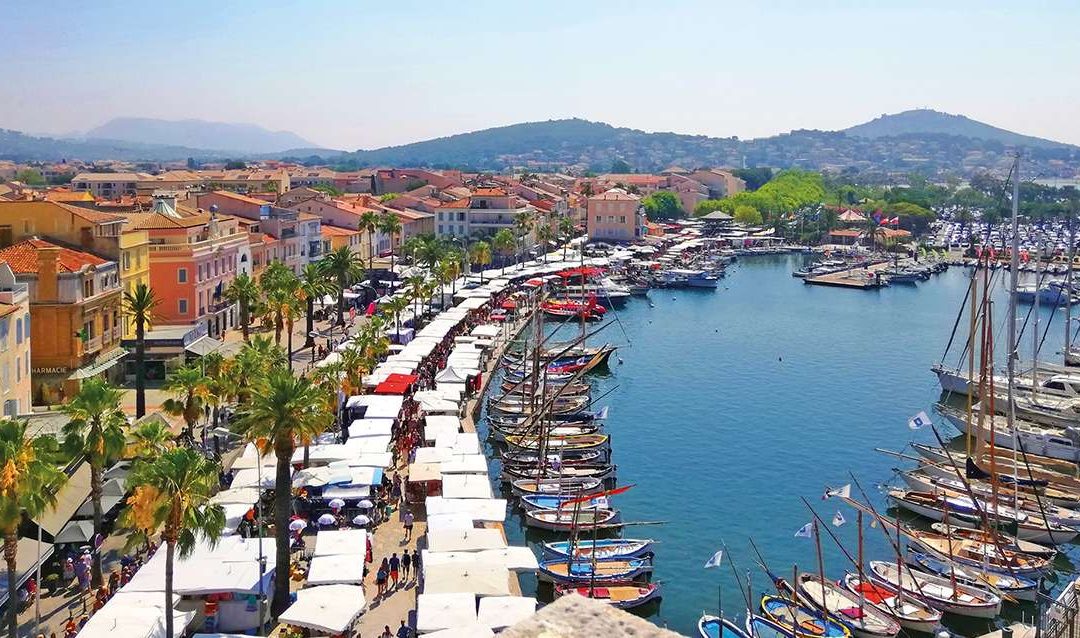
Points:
(103, 234)
(14, 344)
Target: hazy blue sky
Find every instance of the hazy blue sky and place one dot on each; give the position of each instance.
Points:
(354, 73)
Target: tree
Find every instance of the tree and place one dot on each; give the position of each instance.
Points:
(173, 493)
(394, 307)
(504, 243)
(431, 251)
(244, 292)
(620, 166)
(566, 233)
(235, 165)
(29, 481)
(285, 409)
(345, 267)
(30, 177)
(280, 292)
(369, 222)
(480, 255)
(416, 291)
(544, 234)
(747, 215)
(329, 189)
(139, 305)
(390, 225)
(411, 246)
(662, 205)
(523, 224)
(755, 177)
(95, 429)
(150, 439)
(313, 286)
(254, 361)
(190, 389)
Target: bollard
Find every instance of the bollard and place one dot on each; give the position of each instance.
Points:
(1006, 632)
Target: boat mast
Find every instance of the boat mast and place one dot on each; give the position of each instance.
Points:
(1035, 333)
(971, 356)
(1014, 276)
(820, 564)
(859, 567)
(1068, 288)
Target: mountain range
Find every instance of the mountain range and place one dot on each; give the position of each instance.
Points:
(923, 140)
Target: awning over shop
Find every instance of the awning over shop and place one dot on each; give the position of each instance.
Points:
(442, 611)
(26, 557)
(203, 346)
(112, 494)
(100, 364)
(329, 608)
(70, 497)
(396, 384)
(76, 533)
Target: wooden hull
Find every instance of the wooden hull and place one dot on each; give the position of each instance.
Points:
(801, 620)
(621, 595)
(936, 591)
(567, 520)
(556, 486)
(1005, 542)
(603, 548)
(582, 572)
(911, 614)
(556, 443)
(714, 627)
(834, 600)
(1018, 588)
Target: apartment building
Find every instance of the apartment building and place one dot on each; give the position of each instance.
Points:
(15, 356)
(615, 215)
(298, 235)
(482, 214)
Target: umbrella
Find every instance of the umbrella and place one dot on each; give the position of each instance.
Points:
(297, 525)
(327, 519)
(365, 504)
(361, 520)
(336, 503)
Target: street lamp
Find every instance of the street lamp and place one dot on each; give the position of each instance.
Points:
(464, 262)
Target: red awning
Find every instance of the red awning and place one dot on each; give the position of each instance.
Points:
(581, 271)
(396, 384)
(509, 304)
(534, 282)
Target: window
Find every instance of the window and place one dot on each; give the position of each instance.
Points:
(18, 368)
(88, 287)
(440, 229)
(181, 306)
(11, 407)
(439, 217)
(200, 273)
(622, 219)
(597, 219)
(26, 326)
(181, 276)
(28, 227)
(18, 331)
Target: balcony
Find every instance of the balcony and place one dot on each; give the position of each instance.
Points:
(92, 345)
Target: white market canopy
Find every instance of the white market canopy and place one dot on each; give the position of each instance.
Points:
(465, 540)
(489, 330)
(461, 442)
(466, 486)
(330, 608)
(230, 566)
(342, 542)
(499, 612)
(452, 578)
(449, 521)
(480, 509)
(518, 559)
(370, 427)
(378, 406)
(440, 424)
(335, 570)
(465, 464)
(136, 615)
(433, 454)
(464, 631)
(368, 444)
(422, 472)
(246, 495)
(442, 611)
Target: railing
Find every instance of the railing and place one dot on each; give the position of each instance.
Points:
(91, 345)
(1060, 620)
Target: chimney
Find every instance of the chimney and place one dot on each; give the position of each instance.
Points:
(47, 284)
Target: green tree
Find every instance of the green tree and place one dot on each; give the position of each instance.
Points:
(390, 225)
(313, 286)
(544, 234)
(29, 481)
(747, 215)
(281, 298)
(411, 247)
(346, 268)
(329, 189)
(30, 177)
(189, 387)
(149, 439)
(235, 165)
(431, 252)
(755, 177)
(95, 429)
(523, 225)
(139, 305)
(173, 493)
(369, 223)
(566, 233)
(620, 166)
(286, 408)
(244, 292)
(662, 205)
(415, 286)
(504, 243)
(480, 255)
(394, 307)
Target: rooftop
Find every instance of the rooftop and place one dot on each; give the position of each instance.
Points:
(23, 257)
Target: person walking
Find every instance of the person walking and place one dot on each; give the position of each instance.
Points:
(380, 577)
(416, 563)
(386, 632)
(395, 564)
(408, 520)
(403, 631)
(406, 562)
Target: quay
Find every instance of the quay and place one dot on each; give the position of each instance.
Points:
(859, 278)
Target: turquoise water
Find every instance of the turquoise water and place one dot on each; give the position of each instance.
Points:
(731, 404)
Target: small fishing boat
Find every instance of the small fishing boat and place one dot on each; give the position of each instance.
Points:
(863, 621)
(716, 627)
(979, 554)
(604, 548)
(567, 458)
(554, 501)
(499, 433)
(760, 627)
(561, 405)
(621, 595)
(582, 571)
(602, 471)
(573, 309)
(1018, 587)
(576, 486)
(910, 612)
(1028, 526)
(566, 520)
(556, 443)
(938, 592)
(805, 621)
(1001, 540)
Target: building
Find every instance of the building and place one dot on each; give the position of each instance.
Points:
(299, 241)
(109, 185)
(194, 256)
(15, 356)
(615, 215)
(345, 213)
(134, 269)
(335, 237)
(75, 308)
(116, 185)
(486, 211)
(720, 183)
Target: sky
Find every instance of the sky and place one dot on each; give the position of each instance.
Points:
(361, 74)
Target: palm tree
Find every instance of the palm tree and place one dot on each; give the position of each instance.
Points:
(390, 225)
(285, 408)
(172, 493)
(139, 305)
(345, 267)
(279, 285)
(150, 439)
(244, 292)
(566, 232)
(523, 223)
(190, 389)
(222, 382)
(504, 243)
(313, 285)
(28, 485)
(394, 307)
(369, 222)
(412, 246)
(431, 251)
(95, 429)
(480, 255)
(416, 291)
(544, 234)
(253, 362)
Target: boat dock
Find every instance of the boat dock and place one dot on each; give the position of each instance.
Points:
(861, 278)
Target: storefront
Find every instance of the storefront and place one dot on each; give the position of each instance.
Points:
(169, 347)
(53, 385)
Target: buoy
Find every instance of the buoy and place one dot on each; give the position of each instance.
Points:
(620, 360)
(673, 298)
(781, 359)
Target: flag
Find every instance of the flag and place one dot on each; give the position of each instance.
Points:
(919, 421)
(843, 492)
(838, 520)
(806, 531)
(895, 221)
(714, 561)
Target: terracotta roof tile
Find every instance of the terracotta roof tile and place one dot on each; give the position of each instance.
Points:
(458, 203)
(23, 257)
(337, 231)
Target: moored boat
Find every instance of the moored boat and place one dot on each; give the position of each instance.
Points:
(577, 486)
(799, 619)
(603, 548)
(910, 612)
(621, 595)
(586, 571)
(556, 443)
(1017, 587)
(863, 621)
(716, 627)
(565, 520)
(938, 592)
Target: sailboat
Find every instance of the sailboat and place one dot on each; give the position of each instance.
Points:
(800, 620)
(912, 614)
(621, 595)
(716, 627)
(1015, 587)
(938, 591)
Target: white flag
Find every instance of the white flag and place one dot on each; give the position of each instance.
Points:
(919, 421)
(715, 560)
(806, 531)
(844, 492)
(838, 520)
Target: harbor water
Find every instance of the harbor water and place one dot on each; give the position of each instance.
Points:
(727, 406)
